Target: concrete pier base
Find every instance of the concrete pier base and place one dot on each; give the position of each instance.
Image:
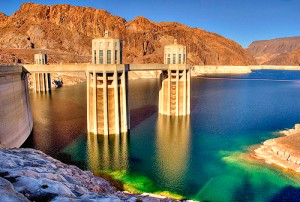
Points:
(107, 100)
(42, 79)
(42, 82)
(174, 95)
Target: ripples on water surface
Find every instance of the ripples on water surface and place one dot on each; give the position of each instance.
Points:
(199, 157)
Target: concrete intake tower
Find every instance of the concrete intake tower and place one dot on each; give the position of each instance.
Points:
(107, 97)
(174, 96)
(41, 80)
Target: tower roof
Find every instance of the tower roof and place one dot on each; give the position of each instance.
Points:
(175, 44)
(106, 36)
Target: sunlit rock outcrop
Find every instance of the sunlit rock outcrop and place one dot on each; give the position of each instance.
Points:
(281, 51)
(282, 151)
(28, 174)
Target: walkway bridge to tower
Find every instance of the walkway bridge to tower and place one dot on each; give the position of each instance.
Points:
(52, 68)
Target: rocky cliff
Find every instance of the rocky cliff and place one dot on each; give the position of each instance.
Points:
(282, 51)
(70, 30)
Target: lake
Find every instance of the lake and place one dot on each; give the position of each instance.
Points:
(200, 157)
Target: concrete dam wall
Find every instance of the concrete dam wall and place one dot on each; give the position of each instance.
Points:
(15, 112)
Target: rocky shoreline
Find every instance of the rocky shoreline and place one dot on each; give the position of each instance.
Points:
(282, 151)
(220, 69)
(68, 79)
(30, 175)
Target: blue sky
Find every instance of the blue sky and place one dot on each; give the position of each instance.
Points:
(240, 20)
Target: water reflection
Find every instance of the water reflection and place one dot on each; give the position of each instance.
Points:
(54, 127)
(107, 152)
(172, 142)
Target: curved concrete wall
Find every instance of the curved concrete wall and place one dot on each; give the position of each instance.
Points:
(15, 112)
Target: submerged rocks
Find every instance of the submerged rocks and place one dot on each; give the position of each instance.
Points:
(28, 174)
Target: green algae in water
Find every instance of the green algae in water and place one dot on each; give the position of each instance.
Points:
(139, 184)
(133, 182)
(95, 146)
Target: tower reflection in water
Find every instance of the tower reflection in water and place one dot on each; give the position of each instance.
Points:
(173, 139)
(107, 153)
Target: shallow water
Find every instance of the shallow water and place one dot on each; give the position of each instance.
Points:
(198, 157)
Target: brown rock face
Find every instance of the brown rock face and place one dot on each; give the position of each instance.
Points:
(25, 56)
(70, 29)
(7, 58)
(283, 51)
(289, 58)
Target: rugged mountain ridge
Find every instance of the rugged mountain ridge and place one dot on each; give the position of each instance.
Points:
(281, 51)
(70, 29)
(3, 17)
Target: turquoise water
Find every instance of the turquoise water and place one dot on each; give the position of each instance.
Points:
(200, 157)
